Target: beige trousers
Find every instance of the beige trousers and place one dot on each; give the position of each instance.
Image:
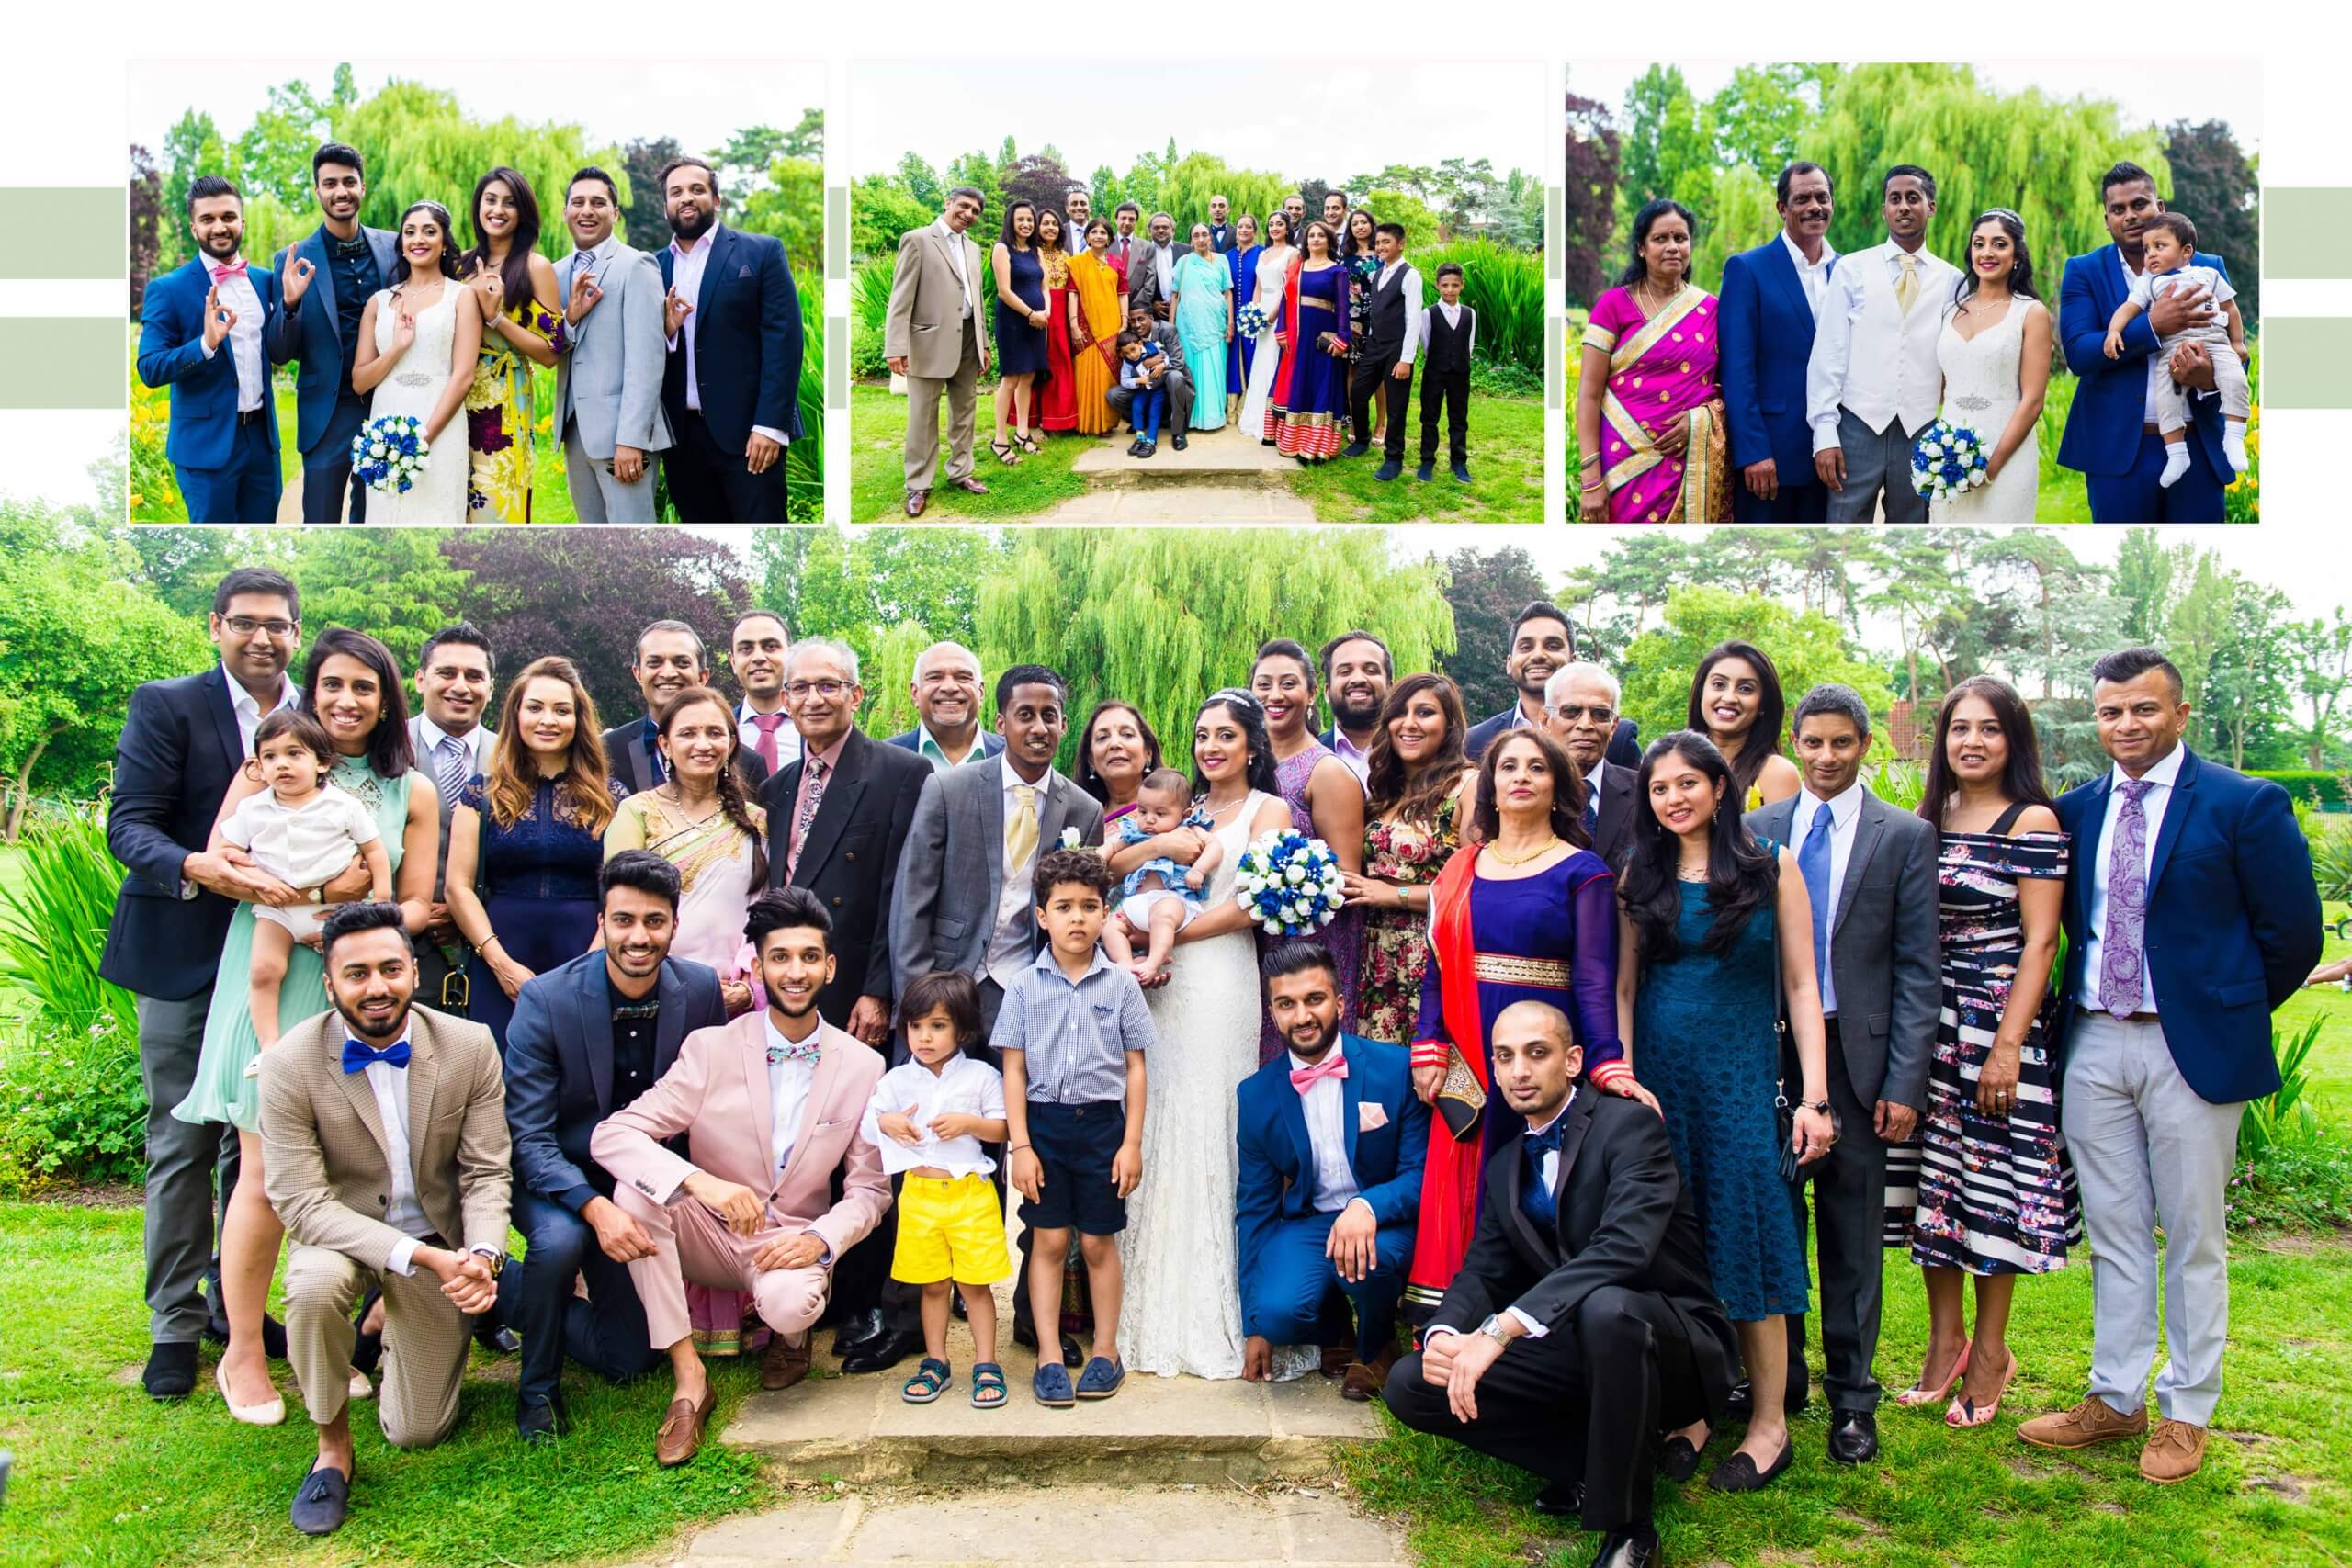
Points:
(923, 417)
(425, 1341)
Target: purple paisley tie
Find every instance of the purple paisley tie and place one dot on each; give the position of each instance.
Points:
(2121, 943)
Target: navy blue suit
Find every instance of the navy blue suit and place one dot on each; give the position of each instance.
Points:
(747, 353)
(559, 1086)
(1286, 1281)
(327, 413)
(2232, 918)
(1767, 338)
(227, 466)
(1624, 741)
(2107, 438)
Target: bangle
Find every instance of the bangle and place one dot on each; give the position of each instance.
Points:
(1589, 462)
(1016, 1149)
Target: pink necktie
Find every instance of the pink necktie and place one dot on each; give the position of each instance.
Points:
(810, 797)
(766, 723)
(1334, 1066)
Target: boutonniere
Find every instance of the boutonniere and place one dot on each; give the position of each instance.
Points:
(1070, 840)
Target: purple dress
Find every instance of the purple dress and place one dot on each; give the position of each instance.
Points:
(1343, 936)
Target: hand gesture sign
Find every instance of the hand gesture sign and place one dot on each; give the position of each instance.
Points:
(405, 334)
(675, 311)
(586, 292)
(296, 279)
(491, 294)
(218, 318)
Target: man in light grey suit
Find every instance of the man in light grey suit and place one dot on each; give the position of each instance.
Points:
(937, 337)
(608, 400)
(1869, 870)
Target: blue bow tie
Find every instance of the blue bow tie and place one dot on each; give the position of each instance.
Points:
(357, 1056)
(806, 1051)
(1547, 1140)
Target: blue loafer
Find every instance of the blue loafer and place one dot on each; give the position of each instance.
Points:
(323, 1503)
(1051, 1385)
(1101, 1378)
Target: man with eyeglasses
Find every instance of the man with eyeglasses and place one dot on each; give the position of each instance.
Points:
(946, 690)
(670, 659)
(183, 742)
(1580, 710)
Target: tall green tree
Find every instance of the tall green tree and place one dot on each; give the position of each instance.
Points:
(1485, 589)
(2320, 666)
(273, 153)
(645, 224)
(191, 147)
(1806, 646)
(1760, 118)
(1667, 149)
(2214, 182)
(395, 584)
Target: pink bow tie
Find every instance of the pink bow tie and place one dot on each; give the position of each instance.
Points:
(1334, 1066)
(222, 274)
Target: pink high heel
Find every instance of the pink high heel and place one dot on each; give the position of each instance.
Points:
(1915, 1395)
(1962, 1411)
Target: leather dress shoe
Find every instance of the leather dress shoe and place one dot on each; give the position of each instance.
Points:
(273, 1334)
(1561, 1500)
(322, 1502)
(786, 1360)
(969, 485)
(916, 501)
(1181, 440)
(881, 1352)
(680, 1438)
(1026, 1336)
(1364, 1380)
(171, 1369)
(1853, 1436)
(541, 1420)
(856, 1328)
(1628, 1549)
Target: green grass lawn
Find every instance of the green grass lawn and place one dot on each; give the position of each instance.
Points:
(2332, 1057)
(1506, 465)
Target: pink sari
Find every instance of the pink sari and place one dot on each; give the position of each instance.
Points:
(1662, 371)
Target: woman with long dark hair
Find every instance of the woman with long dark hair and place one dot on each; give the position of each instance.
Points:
(1650, 431)
(521, 325)
(1735, 702)
(1324, 797)
(1052, 394)
(1994, 1189)
(1310, 390)
(417, 350)
(1016, 264)
(1716, 941)
(1994, 357)
(1363, 260)
(1241, 354)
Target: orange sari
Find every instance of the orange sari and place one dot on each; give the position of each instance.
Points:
(1094, 289)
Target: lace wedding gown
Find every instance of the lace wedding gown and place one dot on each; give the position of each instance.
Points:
(1981, 391)
(414, 387)
(1183, 1285)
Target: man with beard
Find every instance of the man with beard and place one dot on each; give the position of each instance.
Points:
(346, 264)
(587, 1040)
(1541, 641)
(1580, 710)
(774, 1183)
(1357, 672)
(756, 650)
(450, 741)
(733, 387)
(200, 333)
(1332, 1142)
(608, 398)
(387, 1155)
(1220, 229)
(946, 690)
(1772, 298)
(669, 659)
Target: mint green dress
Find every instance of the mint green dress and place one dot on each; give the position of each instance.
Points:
(221, 1092)
(1202, 283)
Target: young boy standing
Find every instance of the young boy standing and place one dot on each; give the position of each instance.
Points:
(1073, 1032)
(1449, 335)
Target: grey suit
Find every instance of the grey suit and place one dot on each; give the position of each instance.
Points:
(1143, 275)
(609, 383)
(1179, 378)
(1887, 970)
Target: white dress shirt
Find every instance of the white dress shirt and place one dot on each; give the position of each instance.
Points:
(2162, 777)
(237, 293)
(1813, 276)
(480, 743)
(1325, 1104)
(248, 707)
(1413, 309)
(1010, 950)
(1845, 812)
(956, 259)
(962, 1084)
(1358, 760)
(789, 1082)
(1163, 265)
(401, 1211)
(686, 264)
(1452, 319)
(1868, 357)
(1550, 1178)
(788, 737)
(1592, 783)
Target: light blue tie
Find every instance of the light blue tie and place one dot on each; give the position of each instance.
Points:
(1813, 862)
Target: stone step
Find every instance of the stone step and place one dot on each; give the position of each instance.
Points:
(1189, 499)
(1225, 451)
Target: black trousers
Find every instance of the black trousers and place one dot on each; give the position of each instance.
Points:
(1377, 371)
(710, 484)
(605, 1332)
(1585, 1403)
(1452, 388)
(1848, 1219)
(1805, 502)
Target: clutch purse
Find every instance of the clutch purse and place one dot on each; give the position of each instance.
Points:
(1325, 339)
(1461, 1098)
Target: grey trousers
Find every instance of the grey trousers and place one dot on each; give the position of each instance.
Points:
(1877, 461)
(596, 496)
(923, 417)
(1180, 403)
(2148, 1152)
(1848, 1219)
(182, 1157)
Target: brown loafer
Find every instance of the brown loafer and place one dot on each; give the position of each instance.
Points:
(1338, 1359)
(1365, 1380)
(2092, 1421)
(2175, 1452)
(916, 501)
(680, 1438)
(786, 1360)
(969, 485)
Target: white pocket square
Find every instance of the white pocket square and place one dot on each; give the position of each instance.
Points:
(1369, 1115)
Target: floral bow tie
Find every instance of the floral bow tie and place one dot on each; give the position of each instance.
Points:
(804, 1051)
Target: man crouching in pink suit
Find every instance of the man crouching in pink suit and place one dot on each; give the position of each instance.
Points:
(769, 1106)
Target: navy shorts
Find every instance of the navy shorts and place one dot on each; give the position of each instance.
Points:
(1075, 1145)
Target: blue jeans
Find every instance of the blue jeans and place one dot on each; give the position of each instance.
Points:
(1292, 1288)
(606, 1333)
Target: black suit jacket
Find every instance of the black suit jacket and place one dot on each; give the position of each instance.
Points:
(1624, 1220)
(747, 341)
(560, 1067)
(1624, 744)
(628, 757)
(851, 862)
(1615, 834)
(178, 753)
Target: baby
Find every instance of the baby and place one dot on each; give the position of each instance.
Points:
(1159, 897)
(302, 830)
(2168, 265)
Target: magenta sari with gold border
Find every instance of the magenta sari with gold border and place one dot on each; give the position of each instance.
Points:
(1662, 370)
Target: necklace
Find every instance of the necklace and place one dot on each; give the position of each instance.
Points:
(1544, 848)
(671, 793)
(1651, 303)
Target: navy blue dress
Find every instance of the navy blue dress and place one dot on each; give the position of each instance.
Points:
(537, 883)
(1020, 347)
(1703, 1044)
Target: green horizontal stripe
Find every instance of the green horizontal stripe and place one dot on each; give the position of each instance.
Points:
(2307, 362)
(71, 362)
(84, 233)
(2306, 233)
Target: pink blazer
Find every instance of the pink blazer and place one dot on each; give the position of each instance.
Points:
(716, 1094)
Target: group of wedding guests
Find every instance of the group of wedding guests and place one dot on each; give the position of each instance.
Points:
(1800, 393)
(1096, 325)
(686, 362)
(747, 1020)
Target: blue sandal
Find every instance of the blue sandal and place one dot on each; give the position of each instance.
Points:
(1051, 1385)
(1101, 1378)
(987, 1385)
(931, 1381)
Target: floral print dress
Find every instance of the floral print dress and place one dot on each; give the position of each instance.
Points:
(499, 417)
(1396, 941)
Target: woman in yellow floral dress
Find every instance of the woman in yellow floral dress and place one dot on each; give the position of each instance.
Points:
(523, 325)
(1417, 798)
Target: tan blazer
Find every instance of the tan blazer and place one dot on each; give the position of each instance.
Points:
(716, 1094)
(927, 304)
(324, 1164)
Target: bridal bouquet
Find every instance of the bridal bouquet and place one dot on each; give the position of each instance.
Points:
(1289, 883)
(390, 452)
(1250, 322)
(1948, 460)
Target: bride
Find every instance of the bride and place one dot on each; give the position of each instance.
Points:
(1182, 1311)
(1275, 263)
(1994, 355)
(417, 350)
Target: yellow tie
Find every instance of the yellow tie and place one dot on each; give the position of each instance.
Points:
(1021, 828)
(1906, 287)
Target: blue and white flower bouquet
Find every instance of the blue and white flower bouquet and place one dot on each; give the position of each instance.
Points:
(1289, 883)
(390, 452)
(1948, 460)
(1250, 322)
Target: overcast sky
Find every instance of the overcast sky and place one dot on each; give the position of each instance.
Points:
(1331, 122)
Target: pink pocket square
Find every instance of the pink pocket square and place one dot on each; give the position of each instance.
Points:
(1371, 1115)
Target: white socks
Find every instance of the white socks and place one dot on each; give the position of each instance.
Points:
(2175, 463)
(2233, 444)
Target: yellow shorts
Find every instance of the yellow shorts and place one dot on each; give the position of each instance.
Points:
(951, 1229)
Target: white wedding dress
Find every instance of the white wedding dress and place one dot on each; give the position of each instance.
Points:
(1981, 391)
(1181, 1305)
(1273, 273)
(438, 496)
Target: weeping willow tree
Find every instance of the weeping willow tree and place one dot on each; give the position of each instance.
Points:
(1163, 617)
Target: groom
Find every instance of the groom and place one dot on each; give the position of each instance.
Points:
(200, 331)
(341, 266)
(1772, 298)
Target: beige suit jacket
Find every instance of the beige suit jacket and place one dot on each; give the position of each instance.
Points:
(716, 1094)
(324, 1164)
(927, 304)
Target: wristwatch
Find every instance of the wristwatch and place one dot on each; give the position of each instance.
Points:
(1493, 1328)
(495, 1261)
